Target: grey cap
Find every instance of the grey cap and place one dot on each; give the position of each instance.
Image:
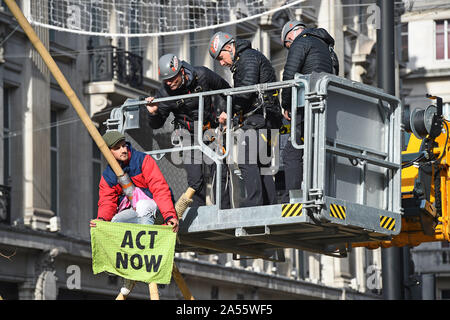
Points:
(218, 41)
(169, 65)
(112, 138)
(288, 26)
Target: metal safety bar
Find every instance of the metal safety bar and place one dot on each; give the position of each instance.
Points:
(387, 158)
(307, 138)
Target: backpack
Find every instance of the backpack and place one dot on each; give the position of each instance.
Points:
(334, 60)
(274, 116)
(333, 56)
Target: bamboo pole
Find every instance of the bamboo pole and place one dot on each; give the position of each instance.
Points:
(59, 77)
(153, 289)
(182, 204)
(68, 91)
(181, 283)
(124, 295)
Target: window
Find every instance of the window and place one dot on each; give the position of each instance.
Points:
(96, 176)
(9, 290)
(404, 34)
(445, 253)
(6, 136)
(52, 35)
(445, 294)
(127, 15)
(443, 40)
(4, 6)
(193, 48)
(54, 146)
(134, 43)
(302, 265)
(214, 293)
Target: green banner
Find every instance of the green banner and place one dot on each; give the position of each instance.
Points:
(133, 251)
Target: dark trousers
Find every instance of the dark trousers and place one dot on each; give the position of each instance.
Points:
(293, 162)
(194, 166)
(260, 189)
(196, 181)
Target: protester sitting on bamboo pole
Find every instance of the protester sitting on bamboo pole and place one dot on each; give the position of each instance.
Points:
(152, 191)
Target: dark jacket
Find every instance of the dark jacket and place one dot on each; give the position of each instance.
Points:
(145, 174)
(250, 67)
(186, 111)
(309, 52)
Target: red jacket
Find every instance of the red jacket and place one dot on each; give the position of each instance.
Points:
(145, 174)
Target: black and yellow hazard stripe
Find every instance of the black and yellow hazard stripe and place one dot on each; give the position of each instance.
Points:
(387, 223)
(272, 142)
(291, 210)
(285, 129)
(337, 211)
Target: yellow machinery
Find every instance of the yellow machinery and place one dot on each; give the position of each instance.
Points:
(425, 180)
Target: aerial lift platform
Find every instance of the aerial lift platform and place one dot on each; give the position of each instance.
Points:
(351, 189)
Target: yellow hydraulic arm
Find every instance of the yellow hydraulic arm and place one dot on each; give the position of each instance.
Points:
(432, 223)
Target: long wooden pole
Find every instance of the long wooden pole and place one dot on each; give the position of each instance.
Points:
(153, 289)
(124, 295)
(59, 77)
(68, 91)
(181, 284)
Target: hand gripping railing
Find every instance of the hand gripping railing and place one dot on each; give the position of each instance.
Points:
(217, 158)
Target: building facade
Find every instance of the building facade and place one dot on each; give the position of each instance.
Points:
(50, 167)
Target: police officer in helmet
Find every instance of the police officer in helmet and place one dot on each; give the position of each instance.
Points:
(180, 78)
(254, 111)
(310, 50)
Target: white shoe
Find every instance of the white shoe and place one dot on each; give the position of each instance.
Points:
(127, 286)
